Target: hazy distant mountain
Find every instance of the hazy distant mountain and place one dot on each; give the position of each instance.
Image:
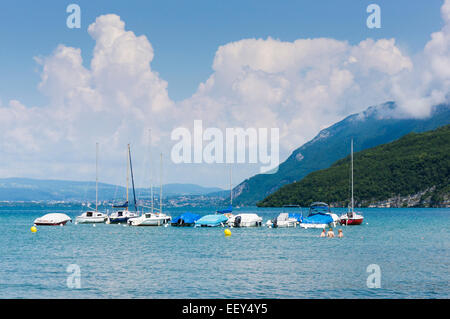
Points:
(370, 128)
(26, 189)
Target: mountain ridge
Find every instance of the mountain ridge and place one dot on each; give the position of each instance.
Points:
(413, 171)
(374, 126)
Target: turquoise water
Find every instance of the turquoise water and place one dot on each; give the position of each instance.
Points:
(411, 246)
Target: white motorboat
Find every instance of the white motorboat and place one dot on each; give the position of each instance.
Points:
(95, 216)
(91, 217)
(150, 219)
(53, 219)
(283, 220)
(245, 220)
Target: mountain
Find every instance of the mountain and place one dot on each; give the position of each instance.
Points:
(412, 171)
(26, 189)
(370, 128)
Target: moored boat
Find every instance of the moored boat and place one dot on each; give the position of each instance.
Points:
(351, 217)
(186, 219)
(211, 221)
(95, 216)
(149, 219)
(281, 221)
(91, 217)
(122, 216)
(52, 219)
(245, 220)
(319, 216)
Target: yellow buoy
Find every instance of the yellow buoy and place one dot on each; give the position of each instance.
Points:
(227, 232)
(33, 229)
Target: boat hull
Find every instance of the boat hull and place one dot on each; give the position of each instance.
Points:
(148, 222)
(51, 224)
(93, 220)
(117, 220)
(351, 221)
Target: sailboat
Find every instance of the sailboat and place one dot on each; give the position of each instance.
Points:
(352, 217)
(122, 215)
(152, 218)
(93, 216)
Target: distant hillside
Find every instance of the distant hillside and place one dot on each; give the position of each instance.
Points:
(369, 128)
(412, 171)
(26, 189)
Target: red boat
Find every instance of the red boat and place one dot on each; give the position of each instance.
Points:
(351, 218)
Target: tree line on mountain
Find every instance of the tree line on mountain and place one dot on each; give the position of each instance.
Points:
(407, 166)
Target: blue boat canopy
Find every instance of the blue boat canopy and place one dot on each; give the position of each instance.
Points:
(211, 220)
(226, 210)
(187, 218)
(318, 219)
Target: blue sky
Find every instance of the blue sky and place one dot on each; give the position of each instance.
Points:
(299, 66)
(186, 34)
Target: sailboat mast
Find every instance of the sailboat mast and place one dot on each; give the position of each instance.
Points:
(128, 167)
(231, 188)
(96, 177)
(132, 179)
(151, 169)
(353, 203)
(160, 187)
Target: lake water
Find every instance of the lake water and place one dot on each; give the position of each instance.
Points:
(411, 247)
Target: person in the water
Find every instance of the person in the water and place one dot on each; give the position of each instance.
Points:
(340, 234)
(330, 233)
(323, 233)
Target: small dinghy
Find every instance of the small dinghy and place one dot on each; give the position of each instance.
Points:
(245, 220)
(54, 219)
(186, 220)
(212, 221)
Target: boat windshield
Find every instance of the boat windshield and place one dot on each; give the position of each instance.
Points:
(318, 208)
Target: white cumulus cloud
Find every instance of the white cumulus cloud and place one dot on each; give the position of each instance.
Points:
(299, 87)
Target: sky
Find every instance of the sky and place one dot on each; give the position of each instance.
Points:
(298, 66)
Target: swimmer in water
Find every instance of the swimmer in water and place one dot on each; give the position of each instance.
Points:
(323, 233)
(340, 234)
(330, 233)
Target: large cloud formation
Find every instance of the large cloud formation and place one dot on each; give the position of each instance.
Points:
(299, 87)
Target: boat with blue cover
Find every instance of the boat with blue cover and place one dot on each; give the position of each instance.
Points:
(320, 216)
(185, 219)
(211, 221)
